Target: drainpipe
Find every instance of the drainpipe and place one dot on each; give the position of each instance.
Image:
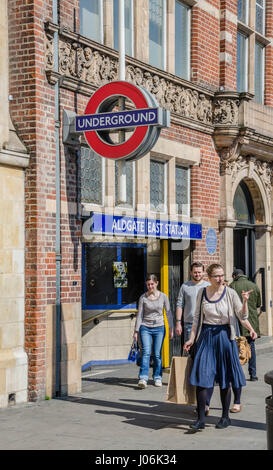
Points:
(58, 204)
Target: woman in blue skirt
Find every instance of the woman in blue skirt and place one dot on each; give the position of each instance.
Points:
(214, 330)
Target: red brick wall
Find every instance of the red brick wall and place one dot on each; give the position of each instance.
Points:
(228, 45)
(205, 47)
(269, 55)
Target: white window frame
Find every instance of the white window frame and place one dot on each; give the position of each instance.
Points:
(189, 41)
(247, 14)
(124, 205)
(246, 61)
(263, 8)
(188, 212)
(262, 71)
(165, 162)
(132, 2)
(164, 45)
(101, 16)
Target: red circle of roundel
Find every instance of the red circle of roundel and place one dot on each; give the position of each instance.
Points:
(123, 149)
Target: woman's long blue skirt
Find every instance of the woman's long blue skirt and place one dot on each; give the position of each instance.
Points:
(217, 359)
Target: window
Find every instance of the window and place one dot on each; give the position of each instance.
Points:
(259, 73)
(182, 190)
(242, 11)
(129, 22)
(242, 62)
(92, 176)
(157, 33)
(260, 16)
(91, 19)
(158, 179)
(130, 173)
(182, 40)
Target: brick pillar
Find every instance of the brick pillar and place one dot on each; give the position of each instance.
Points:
(228, 44)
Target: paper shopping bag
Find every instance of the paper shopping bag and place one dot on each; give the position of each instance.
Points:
(179, 389)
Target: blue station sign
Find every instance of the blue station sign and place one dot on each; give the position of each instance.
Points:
(119, 120)
(134, 226)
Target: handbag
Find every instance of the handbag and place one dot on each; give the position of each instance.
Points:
(243, 349)
(179, 389)
(134, 352)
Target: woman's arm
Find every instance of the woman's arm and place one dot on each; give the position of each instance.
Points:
(139, 318)
(252, 333)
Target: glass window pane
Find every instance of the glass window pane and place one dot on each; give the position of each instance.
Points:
(157, 185)
(182, 40)
(259, 73)
(90, 19)
(128, 19)
(129, 168)
(91, 176)
(182, 189)
(241, 62)
(260, 16)
(240, 205)
(242, 11)
(156, 33)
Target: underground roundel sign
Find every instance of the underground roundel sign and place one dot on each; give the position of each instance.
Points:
(141, 123)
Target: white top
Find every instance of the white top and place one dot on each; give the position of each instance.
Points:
(215, 312)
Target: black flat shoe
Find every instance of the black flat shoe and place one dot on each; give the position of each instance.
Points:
(223, 423)
(197, 425)
(253, 379)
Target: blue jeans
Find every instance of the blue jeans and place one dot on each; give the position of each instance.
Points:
(156, 334)
(252, 360)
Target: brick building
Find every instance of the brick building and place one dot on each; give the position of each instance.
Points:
(210, 63)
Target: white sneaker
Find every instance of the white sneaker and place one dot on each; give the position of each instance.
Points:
(158, 383)
(142, 383)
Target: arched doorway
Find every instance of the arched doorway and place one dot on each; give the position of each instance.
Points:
(244, 253)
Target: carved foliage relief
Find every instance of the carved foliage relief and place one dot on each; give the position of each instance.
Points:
(96, 67)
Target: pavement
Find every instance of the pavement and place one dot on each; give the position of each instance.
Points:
(112, 414)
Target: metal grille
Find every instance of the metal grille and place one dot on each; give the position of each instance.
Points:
(182, 189)
(157, 185)
(91, 176)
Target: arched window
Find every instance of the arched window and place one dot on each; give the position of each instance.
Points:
(243, 205)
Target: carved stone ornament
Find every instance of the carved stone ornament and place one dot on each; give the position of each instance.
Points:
(226, 111)
(231, 161)
(265, 172)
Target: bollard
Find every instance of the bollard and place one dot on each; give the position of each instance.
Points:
(268, 378)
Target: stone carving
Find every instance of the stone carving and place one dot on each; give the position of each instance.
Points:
(96, 67)
(230, 159)
(265, 171)
(226, 111)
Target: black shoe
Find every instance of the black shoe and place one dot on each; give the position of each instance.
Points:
(198, 425)
(223, 423)
(253, 378)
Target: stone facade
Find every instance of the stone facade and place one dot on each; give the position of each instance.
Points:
(222, 135)
(13, 161)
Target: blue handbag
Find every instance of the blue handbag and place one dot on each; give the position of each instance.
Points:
(134, 352)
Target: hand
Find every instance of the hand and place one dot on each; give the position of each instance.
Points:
(135, 335)
(178, 328)
(245, 294)
(253, 335)
(171, 333)
(187, 345)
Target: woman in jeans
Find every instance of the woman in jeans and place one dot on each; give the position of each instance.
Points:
(217, 359)
(150, 326)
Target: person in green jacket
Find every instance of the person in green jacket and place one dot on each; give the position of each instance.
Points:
(242, 283)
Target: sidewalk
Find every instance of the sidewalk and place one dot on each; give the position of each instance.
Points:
(112, 413)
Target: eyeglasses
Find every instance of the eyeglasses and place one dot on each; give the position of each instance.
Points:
(219, 275)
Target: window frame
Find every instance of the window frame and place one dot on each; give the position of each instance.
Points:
(126, 205)
(246, 60)
(264, 17)
(189, 15)
(247, 13)
(101, 22)
(132, 5)
(187, 213)
(164, 34)
(165, 203)
(262, 73)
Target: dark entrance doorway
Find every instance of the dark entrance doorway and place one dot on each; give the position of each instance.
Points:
(176, 278)
(244, 232)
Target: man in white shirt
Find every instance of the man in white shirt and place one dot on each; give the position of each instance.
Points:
(186, 302)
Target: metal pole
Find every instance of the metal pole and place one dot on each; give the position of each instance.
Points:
(122, 163)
